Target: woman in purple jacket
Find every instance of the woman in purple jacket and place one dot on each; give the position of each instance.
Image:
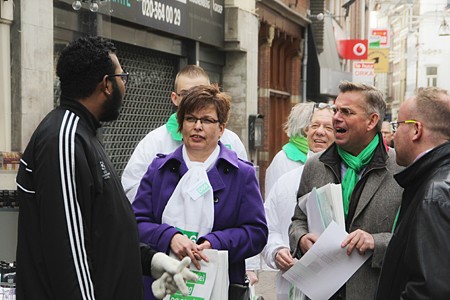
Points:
(202, 196)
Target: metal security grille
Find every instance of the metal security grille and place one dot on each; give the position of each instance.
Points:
(146, 104)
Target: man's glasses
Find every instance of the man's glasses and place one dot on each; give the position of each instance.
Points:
(124, 76)
(344, 111)
(321, 105)
(205, 121)
(395, 125)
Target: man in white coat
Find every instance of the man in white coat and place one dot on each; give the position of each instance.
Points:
(294, 153)
(282, 198)
(165, 139)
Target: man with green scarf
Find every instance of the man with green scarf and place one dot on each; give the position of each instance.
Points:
(364, 166)
(166, 138)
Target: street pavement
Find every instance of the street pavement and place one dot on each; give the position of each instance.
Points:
(265, 288)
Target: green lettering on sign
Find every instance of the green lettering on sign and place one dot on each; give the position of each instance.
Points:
(192, 235)
(181, 297)
(122, 2)
(201, 277)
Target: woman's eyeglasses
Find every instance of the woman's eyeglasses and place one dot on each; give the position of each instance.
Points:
(204, 121)
(123, 76)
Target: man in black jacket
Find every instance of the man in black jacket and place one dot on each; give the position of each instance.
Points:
(77, 234)
(417, 264)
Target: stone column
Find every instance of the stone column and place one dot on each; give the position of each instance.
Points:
(240, 78)
(6, 18)
(32, 65)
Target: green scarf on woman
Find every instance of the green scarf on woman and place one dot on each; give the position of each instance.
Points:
(297, 148)
(354, 165)
(172, 127)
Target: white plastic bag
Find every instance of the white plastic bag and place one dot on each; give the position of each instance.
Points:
(213, 279)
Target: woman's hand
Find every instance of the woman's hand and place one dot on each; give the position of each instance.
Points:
(205, 244)
(182, 246)
(252, 277)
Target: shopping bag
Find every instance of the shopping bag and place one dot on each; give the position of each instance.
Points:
(220, 289)
(212, 280)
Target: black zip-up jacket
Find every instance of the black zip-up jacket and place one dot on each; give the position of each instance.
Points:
(77, 234)
(417, 261)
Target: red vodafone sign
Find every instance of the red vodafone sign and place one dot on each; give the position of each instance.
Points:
(353, 49)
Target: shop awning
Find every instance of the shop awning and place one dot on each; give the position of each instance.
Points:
(324, 66)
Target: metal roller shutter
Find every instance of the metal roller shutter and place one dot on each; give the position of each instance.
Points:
(146, 104)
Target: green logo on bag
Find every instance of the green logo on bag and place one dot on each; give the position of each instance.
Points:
(192, 235)
(203, 188)
(201, 277)
(181, 297)
(190, 286)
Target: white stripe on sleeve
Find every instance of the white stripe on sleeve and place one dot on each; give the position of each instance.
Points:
(71, 205)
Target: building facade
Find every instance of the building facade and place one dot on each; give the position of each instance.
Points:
(155, 39)
(419, 47)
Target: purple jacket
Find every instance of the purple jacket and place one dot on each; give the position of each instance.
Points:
(239, 220)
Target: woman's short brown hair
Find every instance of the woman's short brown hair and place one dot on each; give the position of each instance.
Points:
(202, 96)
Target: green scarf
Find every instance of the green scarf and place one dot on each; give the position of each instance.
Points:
(354, 165)
(172, 127)
(297, 148)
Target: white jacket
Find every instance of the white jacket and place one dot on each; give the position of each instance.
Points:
(279, 206)
(160, 141)
(280, 165)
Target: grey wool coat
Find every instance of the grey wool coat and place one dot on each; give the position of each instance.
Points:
(375, 201)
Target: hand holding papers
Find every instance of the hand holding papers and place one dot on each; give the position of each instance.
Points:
(326, 266)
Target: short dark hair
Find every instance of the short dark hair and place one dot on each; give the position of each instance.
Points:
(83, 64)
(374, 103)
(202, 96)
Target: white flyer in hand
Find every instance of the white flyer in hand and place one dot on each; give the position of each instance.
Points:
(326, 266)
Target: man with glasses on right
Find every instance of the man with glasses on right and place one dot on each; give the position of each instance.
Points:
(364, 166)
(417, 264)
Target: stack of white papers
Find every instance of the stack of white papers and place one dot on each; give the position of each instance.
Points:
(326, 266)
(324, 205)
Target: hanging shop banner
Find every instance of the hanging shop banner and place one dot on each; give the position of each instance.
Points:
(200, 20)
(363, 72)
(352, 49)
(379, 38)
(380, 59)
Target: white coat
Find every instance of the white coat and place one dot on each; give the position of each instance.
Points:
(279, 207)
(280, 165)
